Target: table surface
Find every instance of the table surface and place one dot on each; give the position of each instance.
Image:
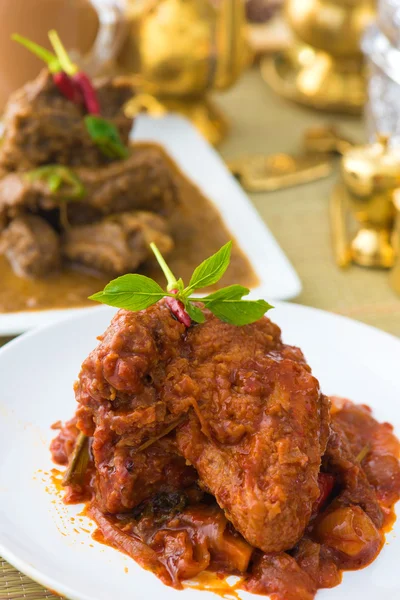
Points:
(298, 217)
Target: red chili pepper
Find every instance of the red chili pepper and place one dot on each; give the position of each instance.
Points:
(178, 310)
(67, 87)
(326, 482)
(88, 92)
(80, 78)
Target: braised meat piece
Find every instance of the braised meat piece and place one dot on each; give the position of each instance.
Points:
(18, 196)
(31, 246)
(374, 444)
(144, 181)
(118, 244)
(238, 405)
(43, 127)
(357, 490)
(279, 576)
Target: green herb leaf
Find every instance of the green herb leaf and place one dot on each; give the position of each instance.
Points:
(227, 304)
(232, 292)
(106, 136)
(180, 286)
(137, 292)
(211, 270)
(132, 292)
(239, 312)
(195, 313)
(61, 181)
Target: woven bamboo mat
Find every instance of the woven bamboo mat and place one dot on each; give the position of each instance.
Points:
(15, 586)
(299, 220)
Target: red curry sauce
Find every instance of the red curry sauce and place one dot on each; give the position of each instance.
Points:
(185, 536)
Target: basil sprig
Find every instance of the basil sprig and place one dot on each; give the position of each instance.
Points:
(137, 292)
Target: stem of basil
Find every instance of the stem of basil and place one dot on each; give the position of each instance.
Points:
(66, 63)
(170, 277)
(175, 305)
(48, 57)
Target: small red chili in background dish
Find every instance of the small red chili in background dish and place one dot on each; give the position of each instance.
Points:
(80, 79)
(64, 83)
(67, 87)
(77, 87)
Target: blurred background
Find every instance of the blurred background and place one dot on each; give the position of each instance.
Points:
(300, 97)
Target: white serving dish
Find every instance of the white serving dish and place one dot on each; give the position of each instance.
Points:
(37, 535)
(203, 165)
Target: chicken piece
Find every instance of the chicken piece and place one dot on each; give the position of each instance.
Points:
(245, 411)
(31, 246)
(144, 181)
(42, 127)
(120, 391)
(259, 431)
(117, 244)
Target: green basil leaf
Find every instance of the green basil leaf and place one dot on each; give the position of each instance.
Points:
(132, 292)
(239, 312)
(195, 313)
(232, 292)
(180, 286)
(211, 270)
(106, 136)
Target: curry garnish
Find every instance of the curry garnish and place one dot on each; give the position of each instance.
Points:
(60, 180)
(137, 292)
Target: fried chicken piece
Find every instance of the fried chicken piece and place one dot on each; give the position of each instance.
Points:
(248, 415)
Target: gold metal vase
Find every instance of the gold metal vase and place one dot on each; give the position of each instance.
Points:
(324, 68)
(182, 50)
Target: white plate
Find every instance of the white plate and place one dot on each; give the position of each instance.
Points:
(202, 164)
(37, 371)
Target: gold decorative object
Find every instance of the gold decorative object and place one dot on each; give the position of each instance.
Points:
(183, 49)
(324, 68)
(326, 139)
(267, 173)
(395, 273)
(260, 173)
(370, 178)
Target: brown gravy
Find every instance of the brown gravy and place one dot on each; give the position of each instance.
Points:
(198, 231)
